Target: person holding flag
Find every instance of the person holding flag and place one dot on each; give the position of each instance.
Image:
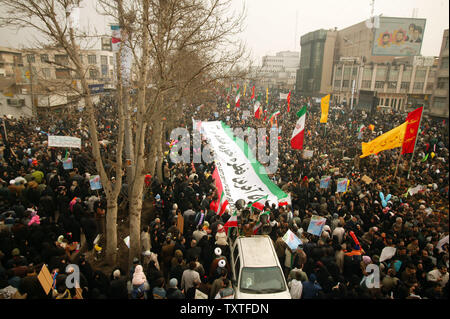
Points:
(257, 108)
(299, 131)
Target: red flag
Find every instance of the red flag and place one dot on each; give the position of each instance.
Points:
(253, 92)
(412, 128)
(289, 101)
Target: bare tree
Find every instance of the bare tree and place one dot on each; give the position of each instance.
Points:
(50, 18)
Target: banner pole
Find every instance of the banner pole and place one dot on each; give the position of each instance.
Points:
(398, 161)
(415, 143)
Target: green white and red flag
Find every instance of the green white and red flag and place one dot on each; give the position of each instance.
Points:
(298, 133)
(259, 203)
(223, 202)
(238, 98)
(232, 222)
(259, 223)
(257, 107)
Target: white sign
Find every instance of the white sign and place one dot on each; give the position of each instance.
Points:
(242, 176)
(283, 96)
(64, 141)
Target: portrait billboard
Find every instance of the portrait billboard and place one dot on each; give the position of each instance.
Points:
(398, 37)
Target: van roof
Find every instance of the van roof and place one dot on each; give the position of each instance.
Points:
(257, 251)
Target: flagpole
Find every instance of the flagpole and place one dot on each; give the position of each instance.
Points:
(415, 143)
(398, 162)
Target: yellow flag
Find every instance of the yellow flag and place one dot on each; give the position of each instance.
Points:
(324, 105)
(387, 141)
(245, 88)
(267, 95)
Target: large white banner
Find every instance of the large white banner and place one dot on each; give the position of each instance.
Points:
(240, 174)
(64, 141)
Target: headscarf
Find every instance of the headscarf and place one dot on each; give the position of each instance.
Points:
(138, 276)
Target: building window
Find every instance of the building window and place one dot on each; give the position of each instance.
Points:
(93, 73)
(386, 102)
(337, 83)
(62, 73)
(92, 59)
(111, 60)
(366, 84)
(62, 59)
(346, 72)
(355, 71)
(404, 86)
(81, 58)
(418, 86)
(345, 83)
(379, 84)
(44, 57)
(104, 60)
(442, 83)
(30, 58)
(339, 71)
(392, 85)
(440, 102)
(420, 74)
(444, 63)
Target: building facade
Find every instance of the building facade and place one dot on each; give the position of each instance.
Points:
(46, 77)
(316, 63)
(439, 101)
(403, 84)
(279, 71)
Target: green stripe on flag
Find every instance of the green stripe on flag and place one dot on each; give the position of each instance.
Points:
(274, 189)
(302, 111)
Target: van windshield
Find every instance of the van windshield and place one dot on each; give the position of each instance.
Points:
(262, 280)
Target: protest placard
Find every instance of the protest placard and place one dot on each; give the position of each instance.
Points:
(45, 279)
(325, 181)
(64, 141)
(366, 179)
(316, 225)
(68, 164)
(307, 154)
(95, 182)
(292, 240)
(342, 185)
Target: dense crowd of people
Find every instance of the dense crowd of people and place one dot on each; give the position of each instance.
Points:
(49, 215)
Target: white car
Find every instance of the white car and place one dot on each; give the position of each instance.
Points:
(256, 270)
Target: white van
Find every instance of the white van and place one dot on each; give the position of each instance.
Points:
(256, 270)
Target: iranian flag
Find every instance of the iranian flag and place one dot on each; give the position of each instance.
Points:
(274, 117)
(360, 131)
(238, 98)
(298, 133)
(289, 101)
(223, 202)
(257, 107)
(115, 37)
(259, 203)
(259, 223)
(232, 222)
(284, 201)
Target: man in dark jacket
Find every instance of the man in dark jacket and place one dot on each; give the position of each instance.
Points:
(172, 291)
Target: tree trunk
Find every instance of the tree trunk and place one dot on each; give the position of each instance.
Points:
(111, 233)
(135, 217)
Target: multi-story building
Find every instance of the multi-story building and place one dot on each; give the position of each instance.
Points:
(278, 71)
(401, 84)
(439, 100)
(316, 63)
(47, 78)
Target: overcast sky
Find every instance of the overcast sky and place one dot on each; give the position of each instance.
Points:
(277, 25)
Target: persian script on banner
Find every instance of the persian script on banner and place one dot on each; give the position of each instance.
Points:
(242, 176)
(64, 141)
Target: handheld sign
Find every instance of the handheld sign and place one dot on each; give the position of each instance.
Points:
(95, 182)
(316, 225)
(292, 240)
